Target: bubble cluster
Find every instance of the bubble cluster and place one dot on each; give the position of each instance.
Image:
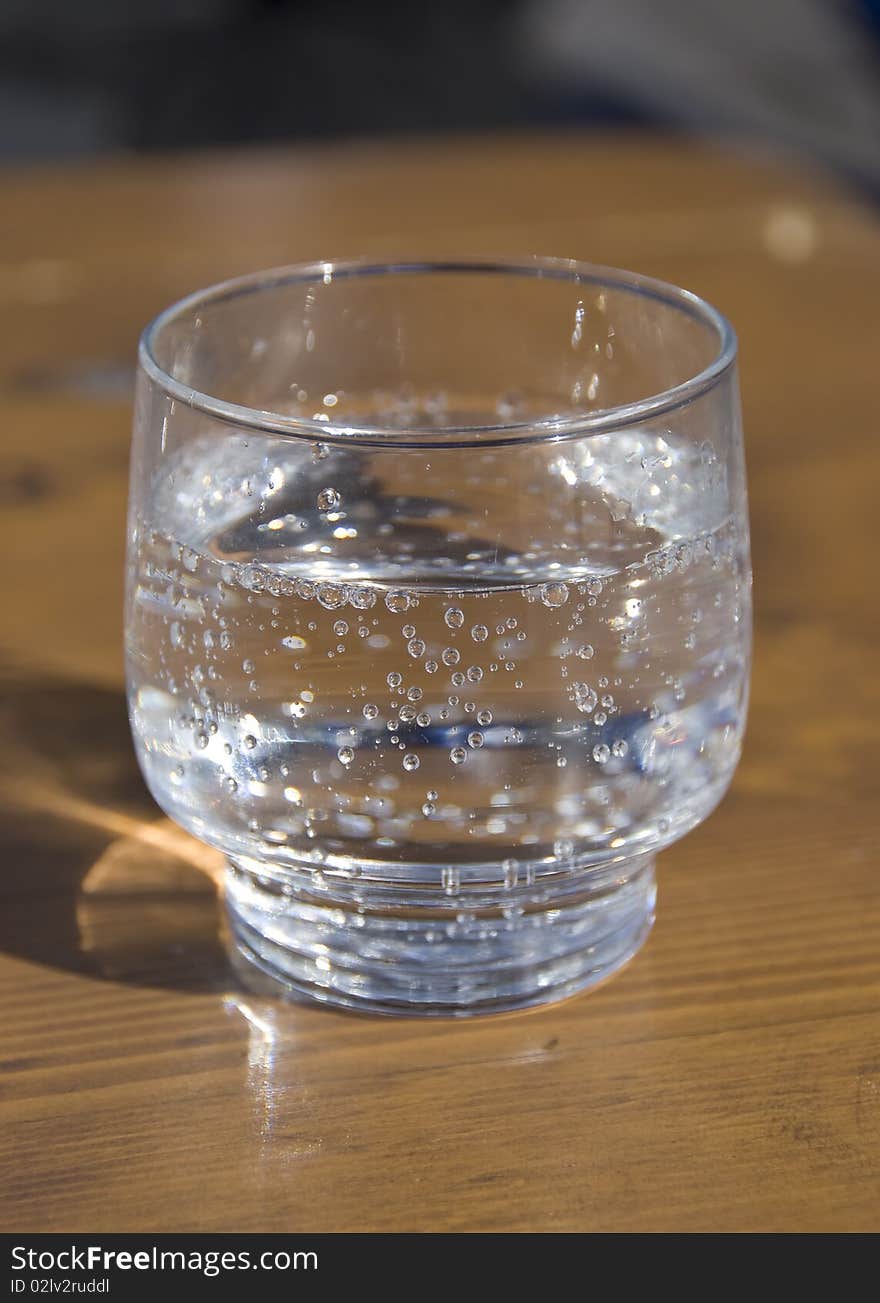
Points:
(299, 714)
(585, 697)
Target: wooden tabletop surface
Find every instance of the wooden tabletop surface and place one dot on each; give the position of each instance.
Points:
(729, 1078)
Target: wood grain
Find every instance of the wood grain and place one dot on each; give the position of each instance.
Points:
(729, 1079)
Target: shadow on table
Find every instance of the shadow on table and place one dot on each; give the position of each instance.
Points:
(94, 879)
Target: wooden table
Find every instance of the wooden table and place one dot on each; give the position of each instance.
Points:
(729, 1079)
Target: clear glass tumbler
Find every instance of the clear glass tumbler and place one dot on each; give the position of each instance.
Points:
(438, 619)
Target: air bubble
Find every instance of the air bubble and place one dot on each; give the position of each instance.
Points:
(479, 633)
(428, 809)
(394, 679)
(474, 674)
(554, 594)
(320, 451)
(414, 694)
(423, 720)
(370, 711)
(331, 596)
(328, 499)
(457, 679)
(458, 755)
(619, 748)
(431, 667)
(475, 740)
(410, 762)
(340, 628)
(601, 753)
(398, 601)
(585, 652)
(249, 741)
(345, 755)
(484, 717)
(416, 648)
(454, 618)
(450, 656)
(362, 598)
(407, 714)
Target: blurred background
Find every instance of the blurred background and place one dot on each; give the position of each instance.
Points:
(730, 146)
(105, 76)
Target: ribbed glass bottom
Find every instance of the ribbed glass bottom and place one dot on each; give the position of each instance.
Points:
(405, 951)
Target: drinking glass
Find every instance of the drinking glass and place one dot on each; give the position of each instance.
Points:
(438, 619)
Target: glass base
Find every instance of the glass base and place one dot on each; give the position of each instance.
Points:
(393, 950)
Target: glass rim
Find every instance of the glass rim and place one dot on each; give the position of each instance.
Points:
(537, 430)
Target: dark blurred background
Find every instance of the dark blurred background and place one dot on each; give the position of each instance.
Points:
(83, 77)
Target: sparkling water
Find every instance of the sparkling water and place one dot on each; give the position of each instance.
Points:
(350, 674)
